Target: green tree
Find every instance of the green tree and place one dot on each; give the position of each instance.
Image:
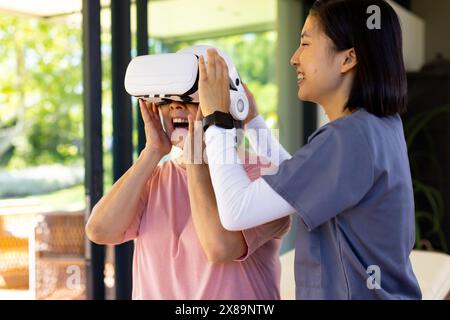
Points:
(40, 91)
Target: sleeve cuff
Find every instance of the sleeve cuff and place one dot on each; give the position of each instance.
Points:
(256, 123)
(251, 241)
(302, 213)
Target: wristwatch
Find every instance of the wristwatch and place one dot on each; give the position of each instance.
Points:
(221, 119)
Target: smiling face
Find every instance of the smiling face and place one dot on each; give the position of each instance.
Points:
(317, 64)
(175, 120)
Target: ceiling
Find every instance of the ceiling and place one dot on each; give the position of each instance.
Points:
(168, 19)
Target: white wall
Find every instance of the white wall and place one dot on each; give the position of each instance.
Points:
(436, 14)
(413, 28)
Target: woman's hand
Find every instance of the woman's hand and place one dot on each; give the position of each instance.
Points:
(253, 109)
(214, 94)
(157, 140)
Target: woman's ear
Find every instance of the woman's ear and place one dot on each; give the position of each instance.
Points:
(349, 60)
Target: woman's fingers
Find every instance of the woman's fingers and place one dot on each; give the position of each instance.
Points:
(148, 109)
(155, 111)
(213, 84)
(219, 68)
(221, 71)
(245, 88)
(150, 118)
(247, 92)
(203, 75)
(199, 115)
(211, 66)
(144, 111)
(224, 72)
(156, 116)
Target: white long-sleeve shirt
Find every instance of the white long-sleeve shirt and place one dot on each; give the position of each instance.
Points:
(243, 204)
(264, 142)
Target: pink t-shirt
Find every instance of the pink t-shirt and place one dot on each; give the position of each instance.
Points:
(169, 262)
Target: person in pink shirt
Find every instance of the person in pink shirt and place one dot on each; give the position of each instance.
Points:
(181, 249)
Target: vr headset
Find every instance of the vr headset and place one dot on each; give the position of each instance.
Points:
(166, 77)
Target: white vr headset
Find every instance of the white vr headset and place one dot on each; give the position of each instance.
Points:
(167, 77)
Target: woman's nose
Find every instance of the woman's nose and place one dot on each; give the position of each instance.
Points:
(294, 59)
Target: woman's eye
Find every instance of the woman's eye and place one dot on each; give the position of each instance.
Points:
(304, 44)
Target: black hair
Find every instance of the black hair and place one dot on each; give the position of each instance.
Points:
(380, 84)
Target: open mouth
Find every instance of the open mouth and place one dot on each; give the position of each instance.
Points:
(180, 123)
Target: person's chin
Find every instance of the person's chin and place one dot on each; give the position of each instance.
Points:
(302, 96)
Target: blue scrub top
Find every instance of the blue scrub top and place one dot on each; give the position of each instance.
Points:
(351, 187)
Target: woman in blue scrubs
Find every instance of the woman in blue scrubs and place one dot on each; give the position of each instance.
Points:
(350, 185)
